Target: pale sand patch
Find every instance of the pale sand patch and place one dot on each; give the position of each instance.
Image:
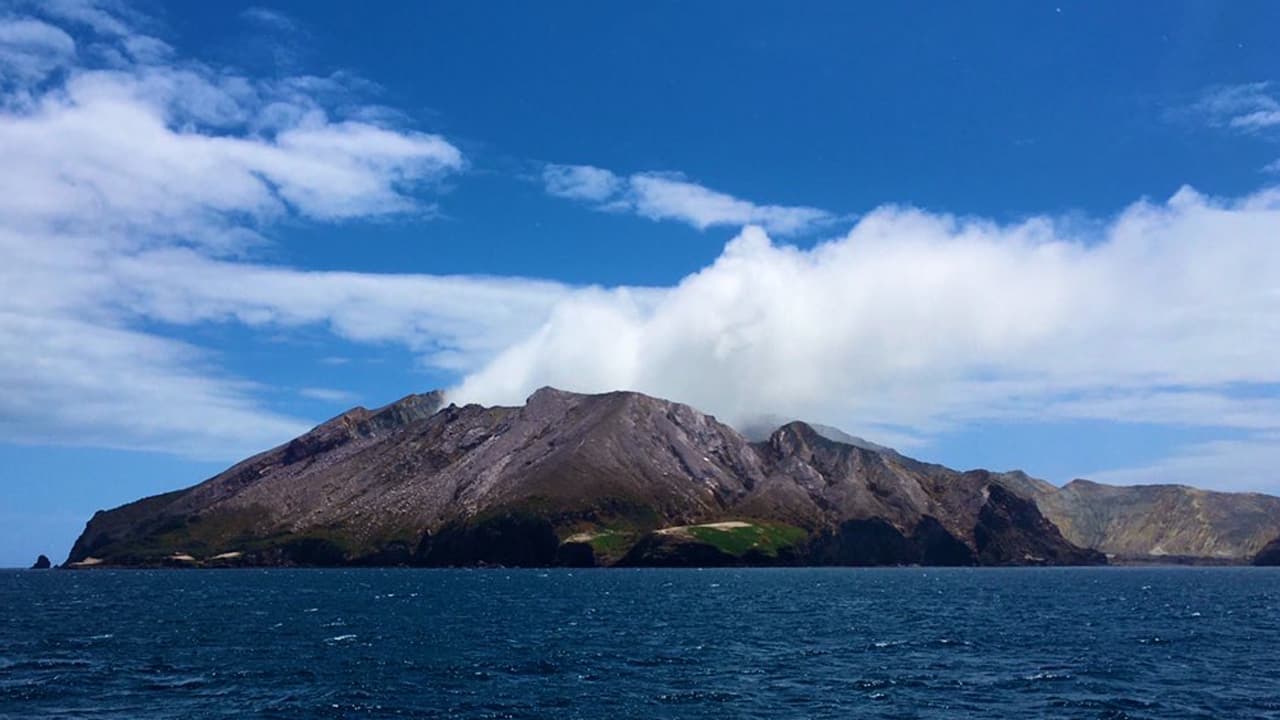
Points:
(684, 529)
(181, 557)
(87, 562)
(728, 525)
(227, 556)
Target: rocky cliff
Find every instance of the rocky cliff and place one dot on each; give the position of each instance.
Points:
(569, 479)
(1269, 554)
(1157, 522)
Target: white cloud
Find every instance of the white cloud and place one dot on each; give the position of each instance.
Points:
(454, 321)
(667, 196)
(84, 383)
(135, 187)
(31, 49)
(129, 186)
(329, 395)
(580, 182)
(75, 371)
(121, 149)
(662, 197)
(1241, 465)
(269, 18)
(925, 321)
(107, 18)
(1249, 107)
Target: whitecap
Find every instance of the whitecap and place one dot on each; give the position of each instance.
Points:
(1048, 676)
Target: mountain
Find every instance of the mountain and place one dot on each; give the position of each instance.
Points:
(1157, 522)
(761, 428)
(618, 478)
(613, 479)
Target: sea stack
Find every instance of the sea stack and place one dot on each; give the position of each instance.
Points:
(42, 563)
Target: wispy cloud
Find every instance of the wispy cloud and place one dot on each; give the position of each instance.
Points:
(329, 395)
(1232, 465)
(269, 18)
(1248, 107)
(31, 49)
(581, 182)
(1251, 109)
(671, 196)
(113, 20)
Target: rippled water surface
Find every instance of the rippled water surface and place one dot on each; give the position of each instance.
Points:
(875, 643)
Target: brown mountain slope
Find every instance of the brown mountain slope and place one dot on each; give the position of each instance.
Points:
(1163, 520)
(575, 479)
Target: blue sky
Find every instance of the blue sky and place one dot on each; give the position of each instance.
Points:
(1034, 235)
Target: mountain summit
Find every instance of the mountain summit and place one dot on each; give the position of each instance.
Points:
(572, 479)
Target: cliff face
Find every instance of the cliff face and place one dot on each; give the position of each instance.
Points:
(1159, 521)
(1269, 554)
(577, 480)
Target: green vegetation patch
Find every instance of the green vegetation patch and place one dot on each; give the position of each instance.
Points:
(738, 539)
(605, 543)
(611, 543)
(198, 535)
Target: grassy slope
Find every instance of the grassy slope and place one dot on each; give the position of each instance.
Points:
(767, 538)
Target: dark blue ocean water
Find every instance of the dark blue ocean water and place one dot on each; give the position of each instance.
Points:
(873, 643)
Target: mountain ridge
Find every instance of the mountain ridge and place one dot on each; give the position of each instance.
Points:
(566, 478)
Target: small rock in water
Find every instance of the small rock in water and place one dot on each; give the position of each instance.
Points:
(42, 563)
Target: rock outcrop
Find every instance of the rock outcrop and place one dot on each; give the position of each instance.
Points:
(1269, 554)
(42, 563)
(570, 479)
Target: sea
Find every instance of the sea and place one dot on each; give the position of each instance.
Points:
(641, 643)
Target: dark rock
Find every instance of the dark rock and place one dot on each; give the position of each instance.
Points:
(393, 554)
(871, 541)
(42, 563)
(669, 550)
(874, 541)
(1269, 554)
(313, 552)
(576, 554)
(938, 547)
(513, 539)
(1011, 531)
